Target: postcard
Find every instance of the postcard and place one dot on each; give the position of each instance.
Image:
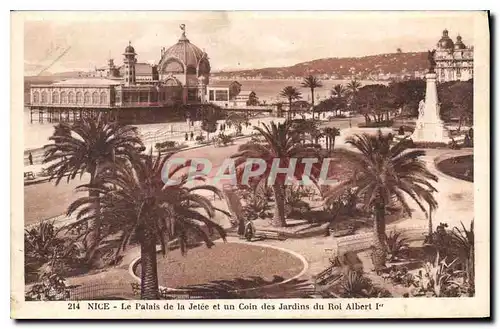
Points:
(184, 165)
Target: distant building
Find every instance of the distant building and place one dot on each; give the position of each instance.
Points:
(454, 60)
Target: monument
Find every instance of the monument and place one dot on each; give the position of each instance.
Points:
(429, 127)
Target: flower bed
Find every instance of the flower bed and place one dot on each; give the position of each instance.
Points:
(461, 167)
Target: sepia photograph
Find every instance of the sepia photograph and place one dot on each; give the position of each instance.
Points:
(250, 164)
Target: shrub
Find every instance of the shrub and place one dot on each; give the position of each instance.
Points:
(439, 279)
(402, 130)
(223, 139)
(256, 206)
(374, 124)
(428, 145)
(397, 245)
(52, 287)
(165, 145)
(355, 285)
(293, 200)
(200, 139)
(399, 275)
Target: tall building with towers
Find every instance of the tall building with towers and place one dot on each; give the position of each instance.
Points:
(454, 60)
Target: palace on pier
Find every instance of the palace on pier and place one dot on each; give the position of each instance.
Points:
(454, 60)
(181, 78)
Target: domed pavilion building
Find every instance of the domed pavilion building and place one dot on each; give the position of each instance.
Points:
(187, 66)
(134, 90)
(454, 60)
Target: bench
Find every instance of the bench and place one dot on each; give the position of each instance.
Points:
(29, 175)
(269, 235)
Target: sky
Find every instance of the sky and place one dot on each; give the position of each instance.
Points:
(233, 40)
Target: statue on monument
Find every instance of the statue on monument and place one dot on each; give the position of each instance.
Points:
(421, 107)
(432, 61)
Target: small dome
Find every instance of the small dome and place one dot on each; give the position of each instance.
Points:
(459, 44)
(129, 49)
(184, 55)
(445, 42)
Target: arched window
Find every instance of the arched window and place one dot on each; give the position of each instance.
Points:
(36, 97)
(104, 98)
(86, 98)
(79, 97)
(44, 97)
(64, 98)
(173, 66)
(95, 98)
(71, 97)
(55, 97)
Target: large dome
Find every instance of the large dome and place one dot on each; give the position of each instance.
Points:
(445, 42)
(184, 57)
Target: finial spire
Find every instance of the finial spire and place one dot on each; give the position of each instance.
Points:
(183, 29)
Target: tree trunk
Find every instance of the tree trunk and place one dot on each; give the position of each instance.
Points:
(333, 143)
(289, 108)
(149, 272)
(379, 255)
(430, 223)
(279, 208)
(94, 237)
(312, 101)
(459, 124)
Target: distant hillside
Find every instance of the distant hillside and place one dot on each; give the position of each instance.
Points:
(362, 67)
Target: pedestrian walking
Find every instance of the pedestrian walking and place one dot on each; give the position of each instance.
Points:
(30, 158)
(186, 137)
(192, 135)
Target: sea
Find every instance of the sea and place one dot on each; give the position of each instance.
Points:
(36, 134)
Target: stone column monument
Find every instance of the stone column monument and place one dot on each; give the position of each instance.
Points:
(429, 127)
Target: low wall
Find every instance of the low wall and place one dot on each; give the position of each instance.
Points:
(363, 241)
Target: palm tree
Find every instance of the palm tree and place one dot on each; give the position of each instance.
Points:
(135, 199)
(316, 135)
(352, 89)
(384, 172)
(89, 146)
(312, 83)
(237, 120)
(303, 127)
(330, 134)
(338, 91)
(292, 94)
(280, 144)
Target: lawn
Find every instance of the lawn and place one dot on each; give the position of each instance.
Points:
(225, 261)
(45, 200)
